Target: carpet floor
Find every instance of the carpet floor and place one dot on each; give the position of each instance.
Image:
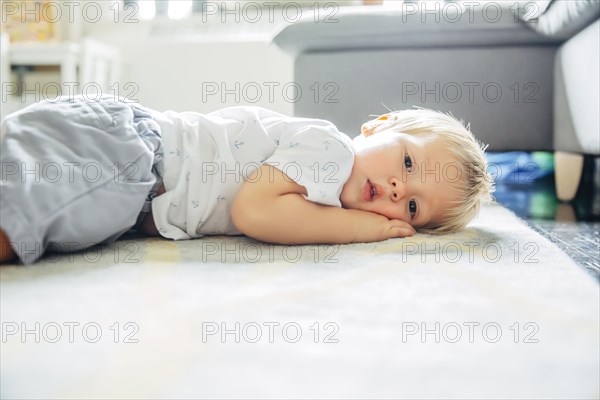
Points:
(495, 311)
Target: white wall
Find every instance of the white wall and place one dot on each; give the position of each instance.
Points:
(171, 74)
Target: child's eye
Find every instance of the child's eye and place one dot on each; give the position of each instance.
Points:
(407, 162)
(412, 207)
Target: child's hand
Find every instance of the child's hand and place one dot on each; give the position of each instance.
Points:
(378, 227)
(270, 207)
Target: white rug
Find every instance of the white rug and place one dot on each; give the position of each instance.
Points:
(515, 318)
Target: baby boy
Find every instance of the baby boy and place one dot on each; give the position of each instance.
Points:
(78, 172)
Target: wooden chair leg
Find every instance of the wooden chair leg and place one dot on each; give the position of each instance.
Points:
(567, 172)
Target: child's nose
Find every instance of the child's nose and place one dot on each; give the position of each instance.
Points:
(398, 189)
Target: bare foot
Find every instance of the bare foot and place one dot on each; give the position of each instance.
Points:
(6, 252)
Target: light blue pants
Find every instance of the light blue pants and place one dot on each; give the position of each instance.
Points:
(76, 172)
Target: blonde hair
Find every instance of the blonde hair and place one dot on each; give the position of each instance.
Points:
(474, 187)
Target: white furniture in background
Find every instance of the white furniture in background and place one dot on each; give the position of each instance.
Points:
(88, 61)
(99, 64)
(4, 64)
(65, 55)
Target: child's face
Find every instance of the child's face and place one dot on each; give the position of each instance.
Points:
(401, 177)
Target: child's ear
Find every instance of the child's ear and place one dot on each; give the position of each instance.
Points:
(368, 128)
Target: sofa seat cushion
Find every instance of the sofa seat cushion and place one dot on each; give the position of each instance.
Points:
(414, 25)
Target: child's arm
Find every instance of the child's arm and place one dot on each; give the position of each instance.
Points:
(270, 207)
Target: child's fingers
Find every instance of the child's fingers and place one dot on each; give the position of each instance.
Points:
(402, 224)
(403, 231)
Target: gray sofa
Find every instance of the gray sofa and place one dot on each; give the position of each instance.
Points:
(524, 74)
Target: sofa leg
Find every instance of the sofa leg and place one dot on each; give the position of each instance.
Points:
(567, 173)
(565, 213)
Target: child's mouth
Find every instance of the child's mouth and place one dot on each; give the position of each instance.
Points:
(369, 191)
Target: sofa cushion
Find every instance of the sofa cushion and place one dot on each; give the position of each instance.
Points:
(577, 93)
(414, 25)
(565, 18)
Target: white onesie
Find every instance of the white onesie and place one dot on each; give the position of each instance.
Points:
(208, 156)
